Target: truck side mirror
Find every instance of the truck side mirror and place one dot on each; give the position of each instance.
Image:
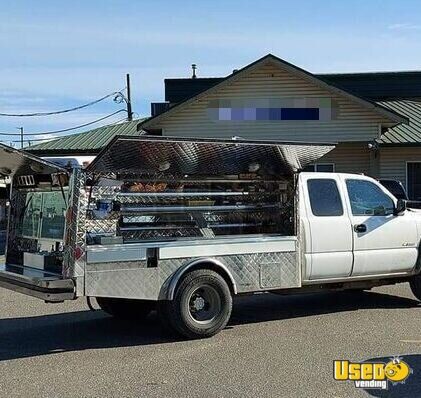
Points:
(400, 207)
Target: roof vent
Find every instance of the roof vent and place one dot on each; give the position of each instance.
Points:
(193, 67)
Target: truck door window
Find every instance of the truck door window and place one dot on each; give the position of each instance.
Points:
(367, 198)
(325, 200)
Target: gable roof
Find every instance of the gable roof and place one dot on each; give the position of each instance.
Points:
(403, 134)
(89, 142)
(385, 112)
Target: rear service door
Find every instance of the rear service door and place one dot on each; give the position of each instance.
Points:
(383, 242)
(328, 249)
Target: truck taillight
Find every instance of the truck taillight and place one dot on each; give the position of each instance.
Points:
(78, 252)
(68, 217)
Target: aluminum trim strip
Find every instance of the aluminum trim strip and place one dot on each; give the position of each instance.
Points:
(110, 254)
(228, 249)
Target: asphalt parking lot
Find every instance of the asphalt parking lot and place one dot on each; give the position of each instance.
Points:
(274, 346)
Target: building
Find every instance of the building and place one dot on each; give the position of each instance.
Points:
(84, 146)
(374, 117)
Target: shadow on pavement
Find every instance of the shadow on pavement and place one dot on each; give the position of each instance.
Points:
(412, 386)
(48, 334)
(270, 307)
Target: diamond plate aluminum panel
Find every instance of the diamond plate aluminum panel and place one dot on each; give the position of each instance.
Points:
(204, 157)
(75, 247)
(270, 275)
(142, 283)
(134, 280)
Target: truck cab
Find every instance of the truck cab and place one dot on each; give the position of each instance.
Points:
(353, 227)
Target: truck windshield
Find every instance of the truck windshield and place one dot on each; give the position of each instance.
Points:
(44, 215)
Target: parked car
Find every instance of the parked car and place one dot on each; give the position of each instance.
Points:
(183, 225)
(396, 188)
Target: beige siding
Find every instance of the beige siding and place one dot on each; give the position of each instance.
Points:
(393, 161)
(349, 158)
(354, 122)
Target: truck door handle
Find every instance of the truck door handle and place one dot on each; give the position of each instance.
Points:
(360, 228)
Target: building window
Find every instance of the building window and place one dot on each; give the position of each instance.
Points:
(321, 167)
(413, 180)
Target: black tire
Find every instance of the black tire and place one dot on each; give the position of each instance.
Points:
(415, 284)
(201, 306)
(125, 308)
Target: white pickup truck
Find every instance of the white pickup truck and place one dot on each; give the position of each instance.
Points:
(183, 225)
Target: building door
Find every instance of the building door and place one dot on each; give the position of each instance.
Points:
(413, 180)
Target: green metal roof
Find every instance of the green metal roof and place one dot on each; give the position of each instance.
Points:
(88, 142)
(403, 134)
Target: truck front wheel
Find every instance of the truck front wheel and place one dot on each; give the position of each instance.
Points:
(125, 308)
(201, 306)
(415, 284)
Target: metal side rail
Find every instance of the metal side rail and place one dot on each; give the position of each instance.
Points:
(36, 283)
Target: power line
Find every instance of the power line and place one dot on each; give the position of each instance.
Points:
(67, 129)
(62, 111)
(63, 136)
(69, 135)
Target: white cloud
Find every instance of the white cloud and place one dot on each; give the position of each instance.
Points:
(47, 137)
(404, 26)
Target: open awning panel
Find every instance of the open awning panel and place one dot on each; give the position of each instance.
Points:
(14, 162)
(168, 156)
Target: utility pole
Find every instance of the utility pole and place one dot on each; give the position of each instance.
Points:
(129, 101)
(21, 136)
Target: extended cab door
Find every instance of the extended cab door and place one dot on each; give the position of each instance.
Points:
(326, 227)
(383, 242)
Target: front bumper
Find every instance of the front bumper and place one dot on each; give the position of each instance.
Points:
(36, 283)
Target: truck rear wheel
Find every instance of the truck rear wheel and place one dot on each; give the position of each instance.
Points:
(201, 306)
(125, 308)
(415, 284)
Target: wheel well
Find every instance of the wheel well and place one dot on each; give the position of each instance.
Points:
(215, 266)
(417, 268)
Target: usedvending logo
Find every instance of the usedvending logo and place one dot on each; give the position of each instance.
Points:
(376, 375)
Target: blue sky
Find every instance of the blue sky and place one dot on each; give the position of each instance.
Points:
(57, 54)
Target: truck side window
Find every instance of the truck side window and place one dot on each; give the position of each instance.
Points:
(367, 198)
(325, 200)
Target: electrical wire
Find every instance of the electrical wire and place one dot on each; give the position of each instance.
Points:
(63, 136)
(64, 110)
(64, 130)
